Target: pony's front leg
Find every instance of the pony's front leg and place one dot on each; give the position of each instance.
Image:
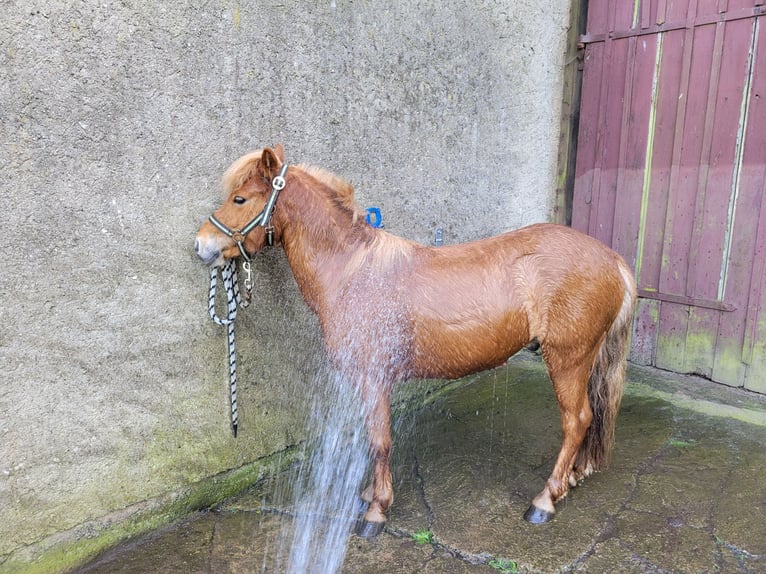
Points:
(380, 493)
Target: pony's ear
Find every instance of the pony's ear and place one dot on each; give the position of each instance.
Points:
(271, 161)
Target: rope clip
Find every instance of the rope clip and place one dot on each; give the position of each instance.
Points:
(248, 281)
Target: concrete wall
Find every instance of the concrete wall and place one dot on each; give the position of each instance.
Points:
(118, 118)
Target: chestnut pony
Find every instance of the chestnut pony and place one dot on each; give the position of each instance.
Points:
(391, 309)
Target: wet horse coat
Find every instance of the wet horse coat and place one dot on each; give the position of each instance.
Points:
(442, 312)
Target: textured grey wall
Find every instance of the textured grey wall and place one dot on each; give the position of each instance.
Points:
(117, 120)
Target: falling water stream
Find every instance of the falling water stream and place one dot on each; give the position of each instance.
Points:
(326, 487)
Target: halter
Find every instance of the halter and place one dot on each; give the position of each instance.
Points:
(262, 219)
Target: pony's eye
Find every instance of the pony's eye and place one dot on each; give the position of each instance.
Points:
(239, 200)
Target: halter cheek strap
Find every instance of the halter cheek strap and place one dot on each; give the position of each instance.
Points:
(277, 185)
(262, 219)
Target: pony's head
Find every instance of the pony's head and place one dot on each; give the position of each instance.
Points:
(237, 227)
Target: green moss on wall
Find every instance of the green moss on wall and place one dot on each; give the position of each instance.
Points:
(71, 549)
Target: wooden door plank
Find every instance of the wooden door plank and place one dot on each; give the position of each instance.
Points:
(686, 162)
(754, 342)
(661, 15)
(637, 135)
(755, 305)
(624, 15)
(678, 10)
(657, 185)
(706, 242)
(707, 8)
(671, 339)
(711, 215)
(755, 379)
(737, 5)
(604, 190)
(604, 17)
(646, 13)
(754, 144)
(587, 139)
(701, 337)
(687, 144)
(644, 336)
(698, 259)
(717, 189)
(745, 200)
(597, 16)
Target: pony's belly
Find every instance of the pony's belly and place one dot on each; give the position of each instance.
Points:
(450, 353)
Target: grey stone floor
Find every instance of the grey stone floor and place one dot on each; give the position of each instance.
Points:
(685, 492)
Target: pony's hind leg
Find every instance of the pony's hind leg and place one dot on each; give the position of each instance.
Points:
(380, 493)
(570, 384)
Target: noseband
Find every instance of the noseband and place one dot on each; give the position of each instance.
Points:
(262, 219)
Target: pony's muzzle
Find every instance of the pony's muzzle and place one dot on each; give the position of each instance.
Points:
(207, 251)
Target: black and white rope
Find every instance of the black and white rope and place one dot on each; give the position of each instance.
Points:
(230, 281)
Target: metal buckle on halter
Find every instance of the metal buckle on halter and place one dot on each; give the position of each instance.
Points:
(270, 235)
(278, 183)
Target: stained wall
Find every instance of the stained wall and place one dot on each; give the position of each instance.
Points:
(117, 119)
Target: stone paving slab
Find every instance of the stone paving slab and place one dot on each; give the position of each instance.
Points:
(685, 492)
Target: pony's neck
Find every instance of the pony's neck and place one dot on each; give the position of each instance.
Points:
(321, 232)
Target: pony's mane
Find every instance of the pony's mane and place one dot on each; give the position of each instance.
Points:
(382, 250)
(240, 171)
(344, 190)
(243, 168)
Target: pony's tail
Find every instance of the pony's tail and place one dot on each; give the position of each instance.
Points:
(607, 381)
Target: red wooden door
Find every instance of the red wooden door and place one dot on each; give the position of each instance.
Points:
(671, 172)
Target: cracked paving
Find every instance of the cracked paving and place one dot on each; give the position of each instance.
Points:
(684, 492)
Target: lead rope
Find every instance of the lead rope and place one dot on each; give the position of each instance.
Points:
(230, 281)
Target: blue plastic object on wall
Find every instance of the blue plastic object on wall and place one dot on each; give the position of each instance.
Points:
(373, 217)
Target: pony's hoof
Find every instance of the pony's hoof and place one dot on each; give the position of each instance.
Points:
(535, 515)
(367, 529)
